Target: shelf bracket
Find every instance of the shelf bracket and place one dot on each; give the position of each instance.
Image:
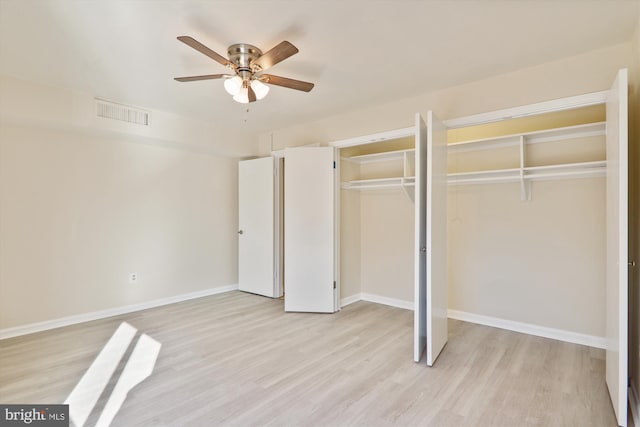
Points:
(408, 191)
(525, 186)
(525, 190)
(405, 164)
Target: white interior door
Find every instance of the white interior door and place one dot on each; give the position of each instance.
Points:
(309, 227)
(617, 239)
(436, 195)
(256, 244)
(420, 264)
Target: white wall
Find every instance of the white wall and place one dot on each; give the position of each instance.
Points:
(553, 272)
(37, 105)
(634, 138)
(84, 203)
(593, 71)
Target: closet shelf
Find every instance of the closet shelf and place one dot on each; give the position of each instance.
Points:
(519, 174)
(532, 173)
(381, 157)
(379, 183)
(484, 177)
(567, 170)
(547, 135)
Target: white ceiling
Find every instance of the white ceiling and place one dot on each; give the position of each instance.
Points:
(356, 52)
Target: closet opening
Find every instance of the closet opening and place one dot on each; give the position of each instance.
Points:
(538, 223)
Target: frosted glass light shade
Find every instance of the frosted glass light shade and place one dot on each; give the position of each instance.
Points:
(242, 96)
(233, 85)
(261, 90)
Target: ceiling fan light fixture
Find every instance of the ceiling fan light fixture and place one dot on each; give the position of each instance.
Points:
(242, 96)
(247, 62)
(233, 85)
(261, 90)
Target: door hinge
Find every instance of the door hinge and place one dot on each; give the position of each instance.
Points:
(334, 284)
(334, 164)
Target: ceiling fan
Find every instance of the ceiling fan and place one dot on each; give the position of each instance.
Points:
(247, 62)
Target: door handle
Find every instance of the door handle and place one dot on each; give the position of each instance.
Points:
(240, 232)
(632, 263)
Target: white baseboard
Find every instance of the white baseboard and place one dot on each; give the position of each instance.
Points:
(350, 300)
(528, 328)
(95, 315)
(525, 328)
(407, 305)
(378, 299)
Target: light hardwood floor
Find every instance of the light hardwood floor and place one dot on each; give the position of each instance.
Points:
(238, 359)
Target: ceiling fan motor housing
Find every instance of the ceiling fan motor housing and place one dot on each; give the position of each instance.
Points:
(242, 54)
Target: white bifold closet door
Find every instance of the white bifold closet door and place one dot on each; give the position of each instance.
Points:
(309, 230)
(617, 240)
(431, 295)
(437, 286)
(256, 249)
(420, 264)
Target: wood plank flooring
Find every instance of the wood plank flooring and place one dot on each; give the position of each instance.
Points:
(237, 359)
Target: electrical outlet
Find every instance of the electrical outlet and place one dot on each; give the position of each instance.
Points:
(133, 278)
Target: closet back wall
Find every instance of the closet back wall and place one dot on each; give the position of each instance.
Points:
(387, 236)
(540, 261)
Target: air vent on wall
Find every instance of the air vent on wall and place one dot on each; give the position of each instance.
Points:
(125, 113)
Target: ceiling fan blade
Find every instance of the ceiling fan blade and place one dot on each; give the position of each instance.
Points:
(277, 54)
(190, 41)
(251, 94)
(205, 77)
(286, 82)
